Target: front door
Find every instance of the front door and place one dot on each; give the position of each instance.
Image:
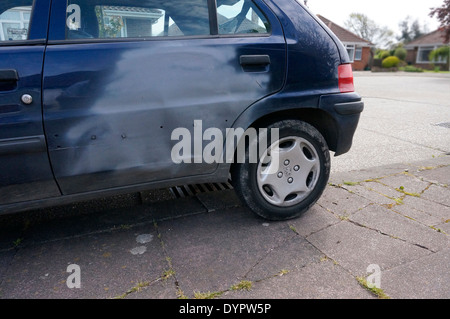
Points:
(25, 172)
(120, 76)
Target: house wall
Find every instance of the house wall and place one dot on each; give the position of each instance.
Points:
(364, 63)
(411, 59)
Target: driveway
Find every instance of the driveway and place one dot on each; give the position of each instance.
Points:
(384, 218)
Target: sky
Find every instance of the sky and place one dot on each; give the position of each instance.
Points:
(384, 12)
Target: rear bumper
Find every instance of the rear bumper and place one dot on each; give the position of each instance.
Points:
(345, 109)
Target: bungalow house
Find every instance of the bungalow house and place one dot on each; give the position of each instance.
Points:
(419, 50)
(359, 50)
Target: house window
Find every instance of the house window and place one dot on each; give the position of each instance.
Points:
(351, 51)
(358, 54)
(14, 24)
(423, 55)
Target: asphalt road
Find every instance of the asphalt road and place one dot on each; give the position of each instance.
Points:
(406, 119)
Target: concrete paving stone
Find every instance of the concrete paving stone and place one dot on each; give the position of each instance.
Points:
(156, 195)
(410, 211)
(438, 194)
(375, 197)
(381, 189)
(445, 227)
(107, 267)
(355, 247)
(212, 252)
(161, 289)
(219, 200)
(395, 225)
(181, 207)
(67, 227)
(320, 280)
(440, 175)
(293, 254)
(410, 183)
(313, 220)
(424, 278)
(423, 210)
(342, 202)
(363, 174)
(6, 258)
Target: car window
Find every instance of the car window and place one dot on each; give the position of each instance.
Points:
(109, 19)
(240, 17)
(15, 20)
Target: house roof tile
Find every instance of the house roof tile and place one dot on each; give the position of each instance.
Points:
(436, 37)
(343, 34)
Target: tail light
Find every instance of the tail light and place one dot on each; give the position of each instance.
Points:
(345, 74)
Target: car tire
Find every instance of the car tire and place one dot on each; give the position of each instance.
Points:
(298, 179)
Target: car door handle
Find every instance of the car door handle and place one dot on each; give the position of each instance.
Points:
(254, 60)
(9, 76)
(8, 80)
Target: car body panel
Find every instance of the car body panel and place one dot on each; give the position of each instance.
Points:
(25, 169)
(110, 106)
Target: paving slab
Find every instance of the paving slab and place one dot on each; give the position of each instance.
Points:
(355, 247)
(108, 266)
(424, 278)
(392, 224)
(319, 280)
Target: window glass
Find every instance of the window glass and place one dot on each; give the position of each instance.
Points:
(424, 54)
(358, 54)
(351, 52)
(240, 17)
(106, 19)
(14, 20)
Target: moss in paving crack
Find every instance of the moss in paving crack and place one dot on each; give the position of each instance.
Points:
(291, 227)
(17, 242)
(207, 295)
(401, 189)
(351, 183)
(283, 272)
(242, 285)
(140, 285)
(376, 291)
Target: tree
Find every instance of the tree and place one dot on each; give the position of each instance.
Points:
(365, 28)
(443, 15)
(410, 30)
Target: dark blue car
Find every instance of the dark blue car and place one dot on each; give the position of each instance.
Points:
(99, 97)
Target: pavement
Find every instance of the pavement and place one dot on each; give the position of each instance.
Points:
(388, 224)
(383, 218)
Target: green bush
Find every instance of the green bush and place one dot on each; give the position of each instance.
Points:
(384, 54)
(410, 68)
(390, 62)
(400, 53)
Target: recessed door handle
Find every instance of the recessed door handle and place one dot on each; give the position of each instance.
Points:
(9, 76)
(254, 60)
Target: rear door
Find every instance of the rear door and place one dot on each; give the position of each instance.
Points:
(120, 76)
(25, 172)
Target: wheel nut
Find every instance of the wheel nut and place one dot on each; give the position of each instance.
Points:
(296, 168)
(286, 162)
(280, 175)
(290, 180)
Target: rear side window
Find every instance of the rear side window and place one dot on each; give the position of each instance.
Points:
(15, 20)
(240, 17)
(108, 19)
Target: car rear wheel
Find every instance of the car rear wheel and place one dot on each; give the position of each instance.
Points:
(289, 176)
